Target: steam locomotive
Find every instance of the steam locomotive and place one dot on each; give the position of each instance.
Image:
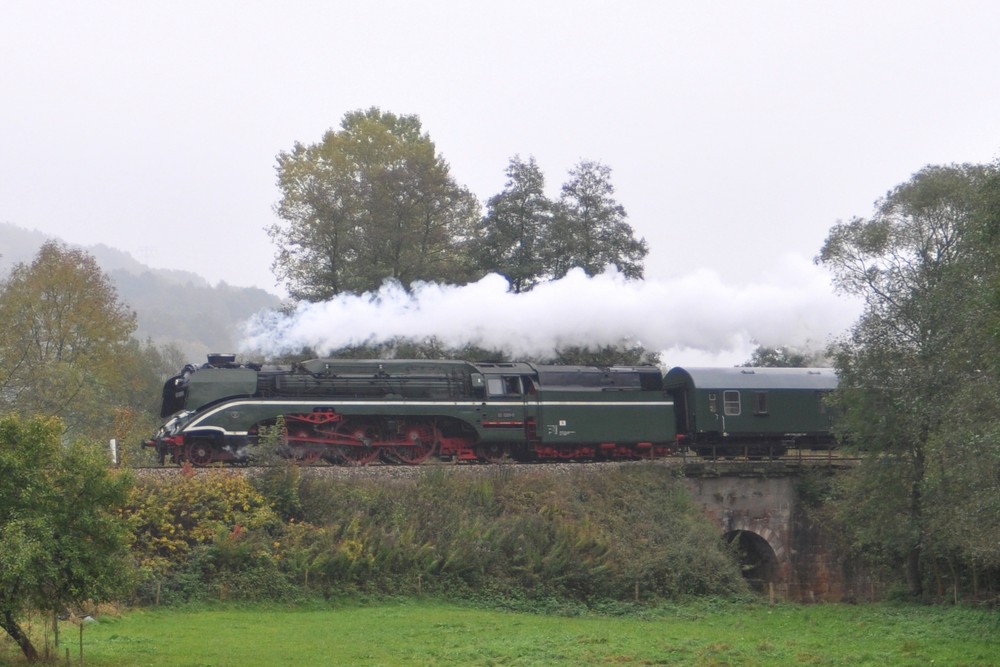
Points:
(407, 411)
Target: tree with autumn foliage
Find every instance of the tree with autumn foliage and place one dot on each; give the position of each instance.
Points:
(370, 202)
(66, 346)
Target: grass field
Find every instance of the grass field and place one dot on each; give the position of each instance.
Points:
(434, 633)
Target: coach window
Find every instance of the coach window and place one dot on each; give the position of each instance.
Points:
(731, 401)
(760, 402)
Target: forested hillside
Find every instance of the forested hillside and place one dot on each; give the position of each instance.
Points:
(172, 307)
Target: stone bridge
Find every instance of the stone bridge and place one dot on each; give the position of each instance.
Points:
(783, 552)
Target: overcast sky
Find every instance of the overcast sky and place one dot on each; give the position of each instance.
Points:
(738, 132)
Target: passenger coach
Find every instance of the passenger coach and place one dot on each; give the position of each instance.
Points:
(751, 411)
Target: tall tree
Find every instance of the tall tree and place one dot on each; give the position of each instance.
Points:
(918, 265)
(590, 229)
(962, 488)
(62, 539)
(370, 202)
(65, 346)
(516, 221)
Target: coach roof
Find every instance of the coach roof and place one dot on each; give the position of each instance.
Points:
(752, 378)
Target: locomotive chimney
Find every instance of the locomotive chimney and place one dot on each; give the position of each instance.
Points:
(219, 359)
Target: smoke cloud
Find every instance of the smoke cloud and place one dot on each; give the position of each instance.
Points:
(692, 319)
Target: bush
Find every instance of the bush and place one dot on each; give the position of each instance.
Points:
(533, 539)
(625, 533)
(171, 519)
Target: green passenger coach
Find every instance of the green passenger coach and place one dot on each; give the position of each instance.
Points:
(751, 411)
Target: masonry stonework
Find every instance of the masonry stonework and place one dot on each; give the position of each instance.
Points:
(783, 551)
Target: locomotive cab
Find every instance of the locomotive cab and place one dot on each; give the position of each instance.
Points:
(195, 386)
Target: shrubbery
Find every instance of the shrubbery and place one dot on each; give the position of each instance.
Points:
(583, 537)
(193, 534)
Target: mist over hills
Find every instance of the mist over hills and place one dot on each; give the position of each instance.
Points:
(171, 306)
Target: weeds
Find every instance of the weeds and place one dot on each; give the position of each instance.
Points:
(628, 535)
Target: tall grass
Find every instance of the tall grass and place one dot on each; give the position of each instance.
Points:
(526, 540)
(617, 534)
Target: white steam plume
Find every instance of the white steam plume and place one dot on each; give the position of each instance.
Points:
(695, 316)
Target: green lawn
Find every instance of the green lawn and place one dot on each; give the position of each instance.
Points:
(434, 633)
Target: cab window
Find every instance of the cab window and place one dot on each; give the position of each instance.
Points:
(507, 385)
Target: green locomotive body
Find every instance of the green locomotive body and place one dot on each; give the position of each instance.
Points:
(357, 411)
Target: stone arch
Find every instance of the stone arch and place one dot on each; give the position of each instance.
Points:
(757, 559)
